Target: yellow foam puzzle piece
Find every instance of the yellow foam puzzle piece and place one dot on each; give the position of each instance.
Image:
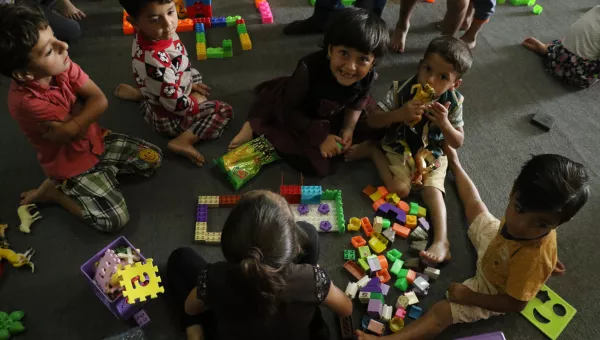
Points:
(138, 291)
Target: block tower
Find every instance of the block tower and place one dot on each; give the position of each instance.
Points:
(198, 8)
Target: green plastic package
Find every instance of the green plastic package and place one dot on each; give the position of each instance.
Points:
(244, 162)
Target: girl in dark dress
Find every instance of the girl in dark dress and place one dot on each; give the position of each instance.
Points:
(269, 287)
(308, 115)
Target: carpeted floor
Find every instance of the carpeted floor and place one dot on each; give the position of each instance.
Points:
(506, 86)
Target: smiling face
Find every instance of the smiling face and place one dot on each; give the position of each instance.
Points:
(348, 65)
(526, 224)
(49, 57)
(156, 21)
(438, 73)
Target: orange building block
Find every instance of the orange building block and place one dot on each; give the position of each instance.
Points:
(400, 230)
(228, 200)
(185, 25)
(378, 203)
(382, 261)
(383, 275)
(404, 206)
(411, 276)
(127, 27)
(366, 226)
(383, 191)
(369, 190)
(358, 241)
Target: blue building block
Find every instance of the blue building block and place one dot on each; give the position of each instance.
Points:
(218, 22)
(199, 27)
(311, 194)
(415, 312)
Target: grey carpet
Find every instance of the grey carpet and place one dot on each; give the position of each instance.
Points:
(505, 87)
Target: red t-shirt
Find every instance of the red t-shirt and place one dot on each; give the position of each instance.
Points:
(33, 103)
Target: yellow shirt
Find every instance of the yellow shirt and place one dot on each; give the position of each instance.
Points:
(519, 268)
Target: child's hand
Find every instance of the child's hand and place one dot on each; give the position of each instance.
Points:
(411, 111)
(459, 293)
(61, 132)
(347, 135)
(202, 89)
(329, 147)
(363, 336)
(438, 113)
(560, 269)
(200, 98)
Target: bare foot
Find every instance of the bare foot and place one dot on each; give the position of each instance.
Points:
(535, 45)
(245, 135)
(471, 42)
(359, 151)
(128, 92)
(70, 11)
(45, 193)
(399, 38)
(438, 252)
(188, 150)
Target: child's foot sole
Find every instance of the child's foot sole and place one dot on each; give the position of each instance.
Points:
(245, 135)
(188, 151)
(398, 40)
(436, 254)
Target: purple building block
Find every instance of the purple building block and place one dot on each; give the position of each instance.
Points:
(303, 209)
(374, 308)
(374, 264)
(384, 209)
(384, 288)
(486, 336)
(401, 217)
(325, 226)
(141, 318)
(394, 211)
(324, 209)
(423, 223)
(374, 286)
(202, 213)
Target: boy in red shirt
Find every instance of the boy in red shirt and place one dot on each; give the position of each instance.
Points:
(80, 158)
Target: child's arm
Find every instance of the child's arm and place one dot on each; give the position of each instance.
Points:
(337, 301)
(350, 119)
(501, 303)
(193, 305)
(453, 136)
(410, 111)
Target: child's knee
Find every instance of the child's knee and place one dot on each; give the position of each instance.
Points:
(113, 218)
(399, 188)
(225, 111)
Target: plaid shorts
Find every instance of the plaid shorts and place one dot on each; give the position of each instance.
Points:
(96, 190)
(209, 123)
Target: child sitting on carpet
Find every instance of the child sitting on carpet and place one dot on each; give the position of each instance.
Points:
(576, 58)
(76, 154)
(308, 115)
(172, 94)
(269, 286)
(439, 121)
(515, 255)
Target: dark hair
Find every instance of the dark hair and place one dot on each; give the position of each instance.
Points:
(453, 51)
(552, 183)
(135, 7)
(360, 29)
(20, 26)
(260, 235)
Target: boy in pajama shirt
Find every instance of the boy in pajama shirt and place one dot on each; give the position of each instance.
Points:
(171, 91)
(81, 159)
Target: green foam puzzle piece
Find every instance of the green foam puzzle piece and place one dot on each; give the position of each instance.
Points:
(551, 323)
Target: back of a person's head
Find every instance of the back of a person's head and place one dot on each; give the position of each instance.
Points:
(20, 30)
(552, 183)
(454, 51)
(359, 29)
(135, 7)
(260, 236)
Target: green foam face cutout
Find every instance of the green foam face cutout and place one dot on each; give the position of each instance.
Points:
(549, 312)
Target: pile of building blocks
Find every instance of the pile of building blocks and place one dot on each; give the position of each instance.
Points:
(201, 234)
(322, 208)
(264, 9)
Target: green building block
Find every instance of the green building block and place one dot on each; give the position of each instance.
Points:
(348, 3)
(363, 264)
(519, 2)
(312, 2)
(330, 194)
(393, 255)
(537, 9)
(403, 273)
(241, 28)
(349, 255)
(214, 53)
(531, 3)
(230, 21)
(377, 296)
(364, 251)
(339, 205)
(227, 48)
(401, 284)
(414, 209)
(500, 2)
(238, 17)
(396, 267)
(386, 223)
(200, 38)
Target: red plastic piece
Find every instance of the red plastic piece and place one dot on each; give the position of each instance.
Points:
(199, 10)
(369, 190)
(383, 191)
(400, 230)
(358, 241)
(185, 25)
(355, 270)
(240, 21)
(127, 27)
(383, 261)
(228, 200)
(291, 193)
(404, 206)
(366, 226)
(383, 275)
(378, 203)
(411, 276)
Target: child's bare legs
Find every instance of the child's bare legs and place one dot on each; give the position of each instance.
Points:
(436, 320)
(439, 251)
(535, 45)
(47, 192)
(399, 37)
(195, 332)
(184, 145)
(245, 135)
(70, 11)
(470, 36)
(129, 93)
(372, 150)
(455, 18)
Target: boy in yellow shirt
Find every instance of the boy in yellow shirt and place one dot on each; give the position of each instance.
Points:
(516, 255)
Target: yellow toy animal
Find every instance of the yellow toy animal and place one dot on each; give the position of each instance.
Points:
(425, 94)
(26, 218)
(16, 259)
(421, 168)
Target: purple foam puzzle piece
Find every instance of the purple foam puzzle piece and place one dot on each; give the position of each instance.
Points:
(325, 226)
(374, 308)
(486, 336)
(303, 209)
(324, 208)
(107, 267)
(423, 223)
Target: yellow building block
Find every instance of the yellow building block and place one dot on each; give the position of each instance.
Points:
(411, 221)
(246, 43)
(131, 277)
(354, 224)
(422, 212)
(376, 196)
(376, 245)
(392, 199)
(201, 230)
(212, 201)
(214, 238)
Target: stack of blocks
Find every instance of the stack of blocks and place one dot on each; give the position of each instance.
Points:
(226, 51)
(200, 41)
(311, 194)
(198, 8)
(265, 11)
(201, 233)
(243, 33)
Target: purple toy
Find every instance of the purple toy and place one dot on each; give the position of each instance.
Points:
(324, 209)
(325, 226)
(401, 217)
(486, 336)
(384, 288)
(423, 223)
(141, 318)
(374, 308)
(303, 209)
(107, 267)
(384, 209)
(374, 286)
(202, 213)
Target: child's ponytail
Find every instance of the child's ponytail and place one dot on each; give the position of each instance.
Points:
(264, 282)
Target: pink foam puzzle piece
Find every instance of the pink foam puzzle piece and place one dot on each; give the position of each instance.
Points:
(107, 267)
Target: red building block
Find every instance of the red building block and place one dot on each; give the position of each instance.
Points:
(354, 269)
(199, 10)
(369, 190)
(240, 21)
(383, 191)
(383, 275)
(358, 241)
(228, 200)
(404, 206)
(400, 230)
(378, 203)
(366, 226)
(291, 193)
(382, 261)
(411, 276)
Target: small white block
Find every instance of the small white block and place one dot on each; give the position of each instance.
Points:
(432, 272)
(351, 290)
(421, 284)
(363, 282)
(412, 298)
(378, 224)
(364, 297)
(386, 313)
